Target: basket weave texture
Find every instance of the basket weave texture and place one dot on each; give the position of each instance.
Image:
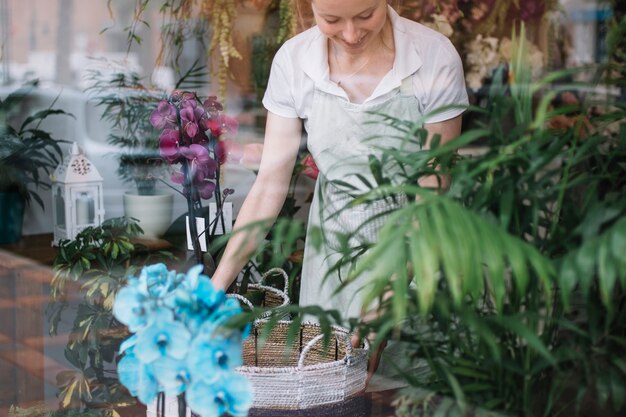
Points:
(272, 297)
(305, 373)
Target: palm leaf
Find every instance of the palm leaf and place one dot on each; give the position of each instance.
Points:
(429, 232)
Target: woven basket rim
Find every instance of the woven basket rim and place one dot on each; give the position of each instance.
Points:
(357, 353)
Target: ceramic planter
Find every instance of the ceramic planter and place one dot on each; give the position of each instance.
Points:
(154, 212)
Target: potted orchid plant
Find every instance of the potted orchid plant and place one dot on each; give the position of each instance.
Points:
(192, 141)
(181, 343)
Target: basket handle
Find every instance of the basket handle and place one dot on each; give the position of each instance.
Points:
(279, 271)
(241, 298)
(319, 337)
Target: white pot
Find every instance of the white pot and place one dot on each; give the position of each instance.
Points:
(154, 212)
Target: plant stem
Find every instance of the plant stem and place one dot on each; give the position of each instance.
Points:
(182, 405)
(191, 213)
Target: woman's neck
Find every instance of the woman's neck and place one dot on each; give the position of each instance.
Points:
(359, 74)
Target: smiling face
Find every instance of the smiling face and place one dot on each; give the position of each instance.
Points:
(352, 25)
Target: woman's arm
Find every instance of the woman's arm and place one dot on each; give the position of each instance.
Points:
(448, 130)
(266, 197)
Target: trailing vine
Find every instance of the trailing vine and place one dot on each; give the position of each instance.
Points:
(288, 21)
(202, 19)
(222, 15)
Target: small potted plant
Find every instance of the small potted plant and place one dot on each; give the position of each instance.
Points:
(127, 104)
(27, 155)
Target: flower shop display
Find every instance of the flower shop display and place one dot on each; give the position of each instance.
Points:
(187, 20)
(193, 142)
(486, 54)
(126, 105)
(181, 344)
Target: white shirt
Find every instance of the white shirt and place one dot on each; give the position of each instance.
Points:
(301, 65)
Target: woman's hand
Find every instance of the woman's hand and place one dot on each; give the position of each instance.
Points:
(374, 357)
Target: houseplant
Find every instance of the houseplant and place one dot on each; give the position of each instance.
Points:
(193, 141)
(518, 304)
(126, 105)
(519, 268)
(88, 272)
(181, 343)
(27, 155)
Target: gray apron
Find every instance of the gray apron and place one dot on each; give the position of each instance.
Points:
(341, 136)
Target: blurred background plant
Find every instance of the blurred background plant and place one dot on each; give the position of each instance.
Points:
(88, 273)
(127, 103)
(28, 155)
(26, 151)
(197, 20)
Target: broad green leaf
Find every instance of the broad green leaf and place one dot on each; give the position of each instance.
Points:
(568, 279)
(585, 261)
(527, 334)
(606, 273)
(425, 270)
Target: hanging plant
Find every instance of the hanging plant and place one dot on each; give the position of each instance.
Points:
(288, 21)
(184, 20)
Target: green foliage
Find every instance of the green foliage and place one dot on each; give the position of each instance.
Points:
(91, 269)
(511, 285)
(127, 104)
(27, 151)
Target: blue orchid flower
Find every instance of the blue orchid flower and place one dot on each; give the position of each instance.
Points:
(163, 337)
(232, 394)
(132, 308)
(202, 288)
(138, 378)
(172, 375)
(210, 358)
(229, 308)
(182, 341)
(156, 280)
(128, 344)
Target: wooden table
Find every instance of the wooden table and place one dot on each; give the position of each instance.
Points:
(25, 272)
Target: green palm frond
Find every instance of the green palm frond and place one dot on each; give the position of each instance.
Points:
(438, 239)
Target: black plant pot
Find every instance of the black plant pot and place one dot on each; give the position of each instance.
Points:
(11, 216)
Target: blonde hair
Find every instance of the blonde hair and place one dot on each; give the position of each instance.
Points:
(305, 12)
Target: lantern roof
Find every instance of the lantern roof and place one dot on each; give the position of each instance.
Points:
(76, 168)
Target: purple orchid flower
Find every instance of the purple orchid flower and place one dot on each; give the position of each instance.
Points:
(164, 116)
(169, 145)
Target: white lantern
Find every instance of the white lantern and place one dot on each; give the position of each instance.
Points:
(77, 200)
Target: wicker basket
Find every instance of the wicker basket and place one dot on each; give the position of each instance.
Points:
(305, 374)
(272, 297)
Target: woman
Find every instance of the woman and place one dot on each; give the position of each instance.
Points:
(361, 57)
